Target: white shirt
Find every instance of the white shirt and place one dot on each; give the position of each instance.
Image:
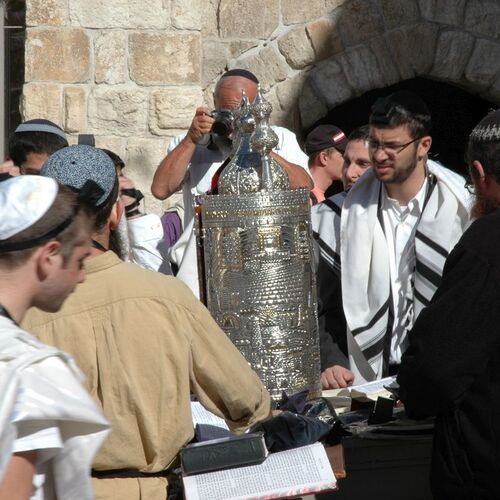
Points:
(204, 163)
(400, 225)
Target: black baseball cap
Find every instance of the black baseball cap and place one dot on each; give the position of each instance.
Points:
(324, 137)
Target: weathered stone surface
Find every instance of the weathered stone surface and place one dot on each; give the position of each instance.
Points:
(268, 65)
(311, 106)
(75, 110)
(453, 51)
(173, 108)
(299, 11)
(413, 48)
(361, 69)
(41, 100)
(296, 48)
(214, 60)
(325, 38)
(243, 19)
(484, 63)
(239, 47)
(358, 21)
(187, 15)
(209, 20)
(331, 5)
(118, 110)
(483, 17)
(46, 12)
(288, 93)
(330, 83)
(57, 55)
(493, 93)
(385, 62)
(163, 58)
(120, 13)
(397, 13)
(208, 96)
(115, 144)
(110, 59)
(443, 11)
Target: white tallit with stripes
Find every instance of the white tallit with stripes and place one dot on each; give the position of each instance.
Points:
(355, 246)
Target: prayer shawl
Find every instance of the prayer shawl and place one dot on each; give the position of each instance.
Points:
(357, 241)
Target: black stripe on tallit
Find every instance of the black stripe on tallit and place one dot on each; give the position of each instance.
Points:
(374, 319)
(329, 203)
(431, 244)
(430, 275)
(333, 255)
(375, 349)
(421, 298)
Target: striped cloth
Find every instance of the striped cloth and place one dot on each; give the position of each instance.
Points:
(357, 241)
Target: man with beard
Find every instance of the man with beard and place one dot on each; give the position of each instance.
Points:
(145, 343)
(451, 368)
(398, 223)
(195, 157)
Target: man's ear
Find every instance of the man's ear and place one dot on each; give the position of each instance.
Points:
(479, 175)
(323, 158)
(424, 146)
(47, 257)
(116, 215)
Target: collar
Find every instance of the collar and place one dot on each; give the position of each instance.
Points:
(415, 205)
(104, 261)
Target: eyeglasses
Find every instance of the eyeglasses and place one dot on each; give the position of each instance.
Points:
(390, 149)
(470, 186)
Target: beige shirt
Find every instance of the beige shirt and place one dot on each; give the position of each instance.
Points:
(144, 342)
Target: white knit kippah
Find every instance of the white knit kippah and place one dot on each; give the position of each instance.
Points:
(23, 201)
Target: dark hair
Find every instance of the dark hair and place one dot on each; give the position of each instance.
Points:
(360, 134)
(244, 73)
(488, 154)
(64, 207)
(119, 163)
(103, 211)
(21, 144)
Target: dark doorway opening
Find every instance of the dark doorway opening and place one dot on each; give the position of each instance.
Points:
(455, 112)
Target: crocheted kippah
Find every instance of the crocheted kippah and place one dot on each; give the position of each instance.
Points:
(488, 129)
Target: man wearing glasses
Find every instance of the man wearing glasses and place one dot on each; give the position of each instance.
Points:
(383, 251)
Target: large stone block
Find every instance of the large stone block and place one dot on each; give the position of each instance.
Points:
(483, 17)
(46, 12)
(239, 47)
(110, 57)
(331, 5)
(114, 144)
(361, 69)
(397, 13)
(493, 93)
(209, 19)
(385, 61)
(187, 15)
(325, 38)
(57, 55)
(75, 110)
(41, 100)
(330, 83)
(165, 58)
(268, 65)
(152, 14)
(173, 108)
(453, 51)
(119, 111)
(296, 48)
(443, 11)
(484, 64)
(358, 20)
(288, 94)
(214, 60)
(243, 19)
(311, 106)
(298, 11)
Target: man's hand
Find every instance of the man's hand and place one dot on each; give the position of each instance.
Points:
(336, 377)
(8, 167)
(201, 125)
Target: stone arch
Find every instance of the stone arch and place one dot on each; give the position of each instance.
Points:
(360, 45)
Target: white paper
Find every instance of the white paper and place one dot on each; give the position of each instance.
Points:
(375, 387)
(304, 470)
(203, 416)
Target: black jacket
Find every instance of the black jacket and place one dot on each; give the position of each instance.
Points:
(452, 367)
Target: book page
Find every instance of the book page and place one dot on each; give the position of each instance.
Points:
(304, 470)
(205, 417)
(369, 389)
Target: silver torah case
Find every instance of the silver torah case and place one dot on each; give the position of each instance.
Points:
(257, 249)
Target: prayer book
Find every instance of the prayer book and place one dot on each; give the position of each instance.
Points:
(286, 474)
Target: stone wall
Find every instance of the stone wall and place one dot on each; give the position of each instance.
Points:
(132, 71)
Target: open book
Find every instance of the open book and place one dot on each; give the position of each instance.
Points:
(286, 474)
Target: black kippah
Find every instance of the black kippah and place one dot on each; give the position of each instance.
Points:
(385, 107)
(243, 73)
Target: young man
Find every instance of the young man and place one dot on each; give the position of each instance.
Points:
(194, 158)
(356, 157)
(451, 368)
(325, 146)
(145, 343)
(398, 224)
(50, 428)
